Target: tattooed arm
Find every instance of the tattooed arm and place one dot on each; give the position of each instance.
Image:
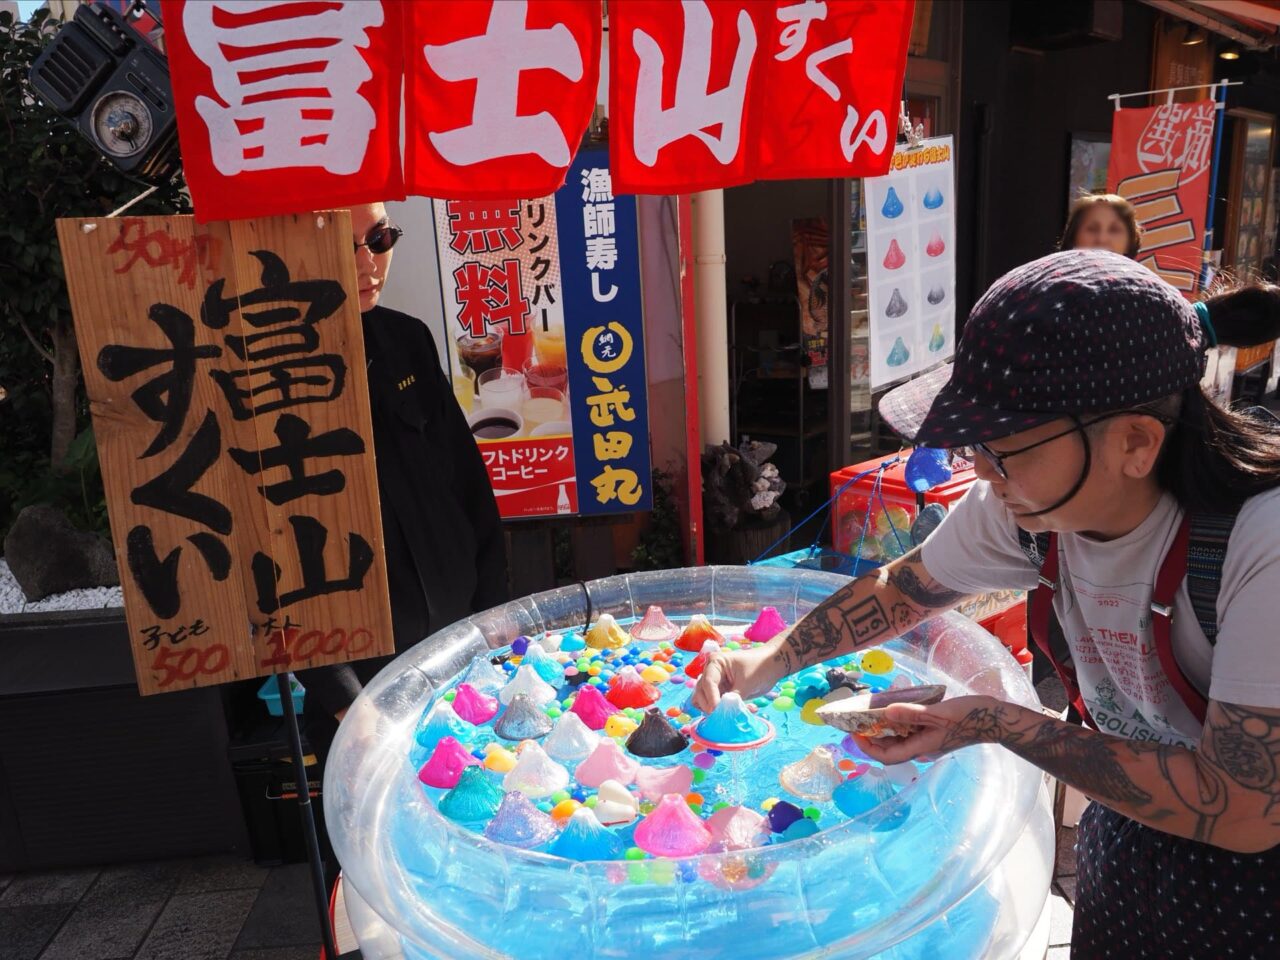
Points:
(871, 609)
(1226, 793)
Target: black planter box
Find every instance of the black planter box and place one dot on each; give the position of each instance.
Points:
(90, 772)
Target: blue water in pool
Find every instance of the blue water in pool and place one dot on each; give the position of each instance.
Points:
(779, 899)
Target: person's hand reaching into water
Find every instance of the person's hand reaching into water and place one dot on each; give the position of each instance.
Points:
(749, 673)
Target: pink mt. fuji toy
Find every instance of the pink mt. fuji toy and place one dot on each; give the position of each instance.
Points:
(447, 762)
(607, 762)
(654, 627)
(591, 706)
(767, 626)
(672, 830)
(473, 705)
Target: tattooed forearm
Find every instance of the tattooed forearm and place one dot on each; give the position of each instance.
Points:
(1055, 747)
(1173, 788)
(916, 586)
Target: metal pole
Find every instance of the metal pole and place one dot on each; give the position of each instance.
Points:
(307, 813)
(1220, 100)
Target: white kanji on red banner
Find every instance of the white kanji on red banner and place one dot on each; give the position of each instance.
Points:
(696, 107)
(289, 80)
(494, 60)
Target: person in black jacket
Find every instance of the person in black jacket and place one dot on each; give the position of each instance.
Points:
(446, 557)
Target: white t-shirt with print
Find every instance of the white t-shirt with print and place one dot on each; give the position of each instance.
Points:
(1103, 602)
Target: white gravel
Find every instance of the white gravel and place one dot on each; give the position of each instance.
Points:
(12, 599)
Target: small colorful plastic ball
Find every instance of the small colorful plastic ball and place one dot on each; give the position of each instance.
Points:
(699, 776)
(662, 871)
(876, 661)
(559, 796)
(637, 873)
(719, 806)
(673, 711)
(769, 804)
(704, 761)
(580, 795)
(688, 873)
(596, 682)
(583, 663)
(761, 701)
(553, 712)
(635, 853)
(784, 703)
(520, 646)
(813, 813)
(544, 806)
(591, 801)
(714, 752)
(450, 694)
(565, 809)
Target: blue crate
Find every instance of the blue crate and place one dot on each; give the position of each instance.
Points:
(269, 693)
(820, 558)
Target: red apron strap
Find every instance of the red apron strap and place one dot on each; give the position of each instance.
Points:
(1172, 572)
(1041, 609)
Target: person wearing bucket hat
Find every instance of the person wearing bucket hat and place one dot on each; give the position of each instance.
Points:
(1146, 519)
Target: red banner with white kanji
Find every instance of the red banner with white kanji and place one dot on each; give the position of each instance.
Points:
(286, 107)
(1160, 162)
(827, 103)
(498, 94)
(680, 81)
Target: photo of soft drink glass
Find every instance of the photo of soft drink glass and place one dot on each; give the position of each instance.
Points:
(542, 405)
(517, 349)
(501, 387)
(464, 387)
(548, 346)
(481, 354)
(553, 376)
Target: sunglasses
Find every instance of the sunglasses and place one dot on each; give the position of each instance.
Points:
(996, 460)
(380, 239)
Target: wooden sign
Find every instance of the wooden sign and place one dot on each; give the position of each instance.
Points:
(226, 377)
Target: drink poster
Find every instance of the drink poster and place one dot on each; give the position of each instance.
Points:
(911, 266)
(510, 297)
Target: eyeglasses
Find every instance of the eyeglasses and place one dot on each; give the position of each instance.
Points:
(997, 459)
(380, 239)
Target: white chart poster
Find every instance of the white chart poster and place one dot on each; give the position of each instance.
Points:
(911, 264)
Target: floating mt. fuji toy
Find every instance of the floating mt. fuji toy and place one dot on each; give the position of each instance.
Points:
(518, 823)
(545, 665)
(731, 726)
(473, 706)
(527, 682)
(585, 838)
(607, 762)
(447, 762)
(736, 828)
(656, 737)
(653, 783)
(654, 627)
(484, 676)
(812, 778)
(855, 797)
(591, 706)
(439, 722)
(535, 774)
(628, 690)
(606, 634)
(571, 740)
(475, 798)
(699, 663)
(522, 720)
(672, 830)
(697, 633)
(767, 626)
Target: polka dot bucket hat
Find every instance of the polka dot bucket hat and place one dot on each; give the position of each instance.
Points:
(1075, 332)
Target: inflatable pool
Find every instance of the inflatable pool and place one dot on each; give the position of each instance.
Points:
(925, 871)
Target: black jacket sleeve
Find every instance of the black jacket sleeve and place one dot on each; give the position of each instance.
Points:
(331, 688)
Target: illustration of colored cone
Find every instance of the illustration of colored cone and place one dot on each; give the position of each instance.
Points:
(894, 258)
(899, 354)
(897, 305)
(936, 295)
(935, 246)
(933, 199)
(892, 205)
(937, 341)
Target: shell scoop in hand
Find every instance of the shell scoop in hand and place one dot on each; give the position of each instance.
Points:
(863, 713)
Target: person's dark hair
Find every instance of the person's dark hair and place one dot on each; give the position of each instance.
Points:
(1214, 458)
(1112, 201)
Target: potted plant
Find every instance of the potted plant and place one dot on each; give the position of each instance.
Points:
(740, 491)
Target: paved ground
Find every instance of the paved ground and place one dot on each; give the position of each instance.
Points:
(222, 908)
(218, 908)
